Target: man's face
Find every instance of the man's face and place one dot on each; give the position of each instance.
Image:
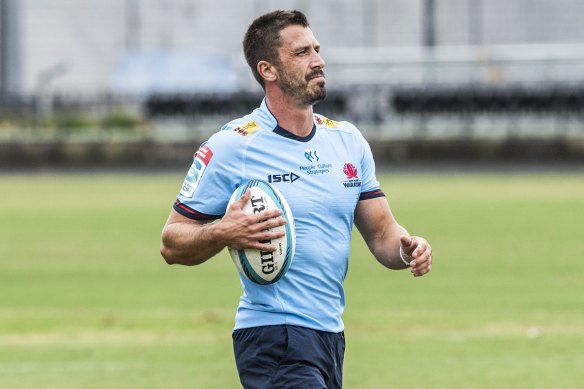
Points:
(300, 68)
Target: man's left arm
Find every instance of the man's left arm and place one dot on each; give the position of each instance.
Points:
(388, 241)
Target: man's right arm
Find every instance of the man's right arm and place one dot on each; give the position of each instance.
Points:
(191, 242)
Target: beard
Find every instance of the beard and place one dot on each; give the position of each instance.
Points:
(301, 90)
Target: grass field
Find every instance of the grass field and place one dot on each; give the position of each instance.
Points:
(87, 302)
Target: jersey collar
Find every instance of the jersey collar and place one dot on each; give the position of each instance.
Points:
(282, 131)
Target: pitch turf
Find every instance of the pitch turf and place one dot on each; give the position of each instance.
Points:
(86, 301)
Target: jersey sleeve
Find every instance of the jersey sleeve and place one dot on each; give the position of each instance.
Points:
(370, 185)
(211, 179)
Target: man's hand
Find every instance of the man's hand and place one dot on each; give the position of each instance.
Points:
(418, 253)
(239, 230)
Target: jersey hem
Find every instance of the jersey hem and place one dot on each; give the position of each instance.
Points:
(282, 319)
(371, 194)
(189, 212)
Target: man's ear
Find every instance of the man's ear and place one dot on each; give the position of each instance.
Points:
(267, 71)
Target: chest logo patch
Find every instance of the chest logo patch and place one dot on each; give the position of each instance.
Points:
(352, 180)
(350, 171)
(311, 155)
(315, 167)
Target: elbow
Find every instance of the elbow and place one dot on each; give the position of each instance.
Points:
(167, 254)
(180, 250)
(168, 249)
(174, 257)
(165, 250)
(171, 255)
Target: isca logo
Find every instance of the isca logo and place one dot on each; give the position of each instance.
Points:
(286, 177)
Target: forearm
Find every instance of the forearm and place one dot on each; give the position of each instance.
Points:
(387, 239)
(186, 244)
(381, 231)
(385, 247)
(191, 242)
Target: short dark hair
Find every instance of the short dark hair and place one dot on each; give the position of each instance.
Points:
(262, 39)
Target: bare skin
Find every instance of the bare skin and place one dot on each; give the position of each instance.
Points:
(384, 237)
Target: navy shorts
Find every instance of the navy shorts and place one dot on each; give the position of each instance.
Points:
(284, 356)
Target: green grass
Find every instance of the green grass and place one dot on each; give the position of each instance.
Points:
(87, 302)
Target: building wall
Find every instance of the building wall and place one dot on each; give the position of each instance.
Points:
(10, 69)
(75, 46)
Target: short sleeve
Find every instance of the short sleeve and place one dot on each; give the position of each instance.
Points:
(211, 179)
(370, 185)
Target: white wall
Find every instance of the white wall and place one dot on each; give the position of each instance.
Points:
(75, 45)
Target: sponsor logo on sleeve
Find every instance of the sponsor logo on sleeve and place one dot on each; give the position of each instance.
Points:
(246, 129)
(201, 160)
(322, 121)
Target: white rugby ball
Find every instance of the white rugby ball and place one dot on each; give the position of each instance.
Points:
(265, 267)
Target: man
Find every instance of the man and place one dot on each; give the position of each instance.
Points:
(289, 334)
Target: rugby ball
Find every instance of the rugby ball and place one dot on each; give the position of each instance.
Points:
(265, 267)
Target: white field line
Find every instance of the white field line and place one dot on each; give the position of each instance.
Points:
(69, 366)
(111, 338)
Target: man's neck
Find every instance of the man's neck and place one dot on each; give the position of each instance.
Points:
(294, 118)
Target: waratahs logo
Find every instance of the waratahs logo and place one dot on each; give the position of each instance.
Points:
(350, 171)
(352, 180)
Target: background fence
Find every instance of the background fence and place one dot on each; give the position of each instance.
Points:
(428, 70)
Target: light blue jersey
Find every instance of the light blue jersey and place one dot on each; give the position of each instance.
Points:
(322, 175)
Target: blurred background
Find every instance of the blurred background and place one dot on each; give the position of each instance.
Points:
(142, 82)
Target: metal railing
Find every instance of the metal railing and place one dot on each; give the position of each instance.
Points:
(349, 67)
